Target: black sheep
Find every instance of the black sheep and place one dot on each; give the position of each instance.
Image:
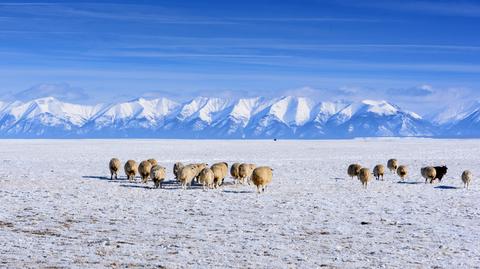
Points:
(441, 171)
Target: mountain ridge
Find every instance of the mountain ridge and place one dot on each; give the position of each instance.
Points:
(287, 117)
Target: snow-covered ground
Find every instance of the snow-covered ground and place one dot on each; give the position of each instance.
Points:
(58, 209)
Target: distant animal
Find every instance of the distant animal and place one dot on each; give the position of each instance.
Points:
(176, 169)
(378, 171)
(261, 177)
(158, 174)
(402, 171)
(144, 170)
(364, 176)
(153, 162)
(392, 165)
(130, 169)
(466, 178)
(186, 175)
(114, 166)
(353, 170)
(429, 173)
(245, 171)
(234, 172)
(441, 172)
(206, 178)
(220, 171)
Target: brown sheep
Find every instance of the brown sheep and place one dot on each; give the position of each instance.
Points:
(144, 170)
(114, 166)
(176, 169)
(364, 176)
(466, 178)
(378, 171)
(206, 178)
(220, 171)
(429, 173)
(152, 161)
(392, 165)
(186, 175)
(402, 172)
(234, 172)
(261, 177)
(158, 174)
(245, 171)
(353, 170)
(131, 169)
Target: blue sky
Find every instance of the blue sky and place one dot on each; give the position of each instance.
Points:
(415, 53)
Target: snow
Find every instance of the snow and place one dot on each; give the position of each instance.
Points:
(284, 117)
(57, 209)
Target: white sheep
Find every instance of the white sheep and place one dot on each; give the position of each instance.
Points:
(428, 173)
(220, 171)
(186, 175)
(392, 165)
(245, 171)
(206, 178)
(364, 176)
(402, 172)
(158, 174)
(234, 172)
(467, 177)
(144, 170)
(176, 169)
(378, 171)
(261, 177)
(131, 169)
(114, 166)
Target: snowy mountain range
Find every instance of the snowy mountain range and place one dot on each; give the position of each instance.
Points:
(202, 117)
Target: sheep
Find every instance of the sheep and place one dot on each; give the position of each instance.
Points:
(199, 167)
(114, 167)
(245, 171)
(152, 161)
(466, 178)
(234, 170)
(144, 170)
(429, 173)
(402, 171)
(186, 175)
(353, 170)
(176, 169)
(157, 174)
(220, 170)
(206, 178)
(441, 171)
(378, 171)
(261, 176)
(392, 165)
(131, 169)
(364, 176)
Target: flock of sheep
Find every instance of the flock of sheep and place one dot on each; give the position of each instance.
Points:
(210, 177)
(430, 173)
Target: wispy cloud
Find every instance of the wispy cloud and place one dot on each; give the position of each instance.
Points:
(448, 8)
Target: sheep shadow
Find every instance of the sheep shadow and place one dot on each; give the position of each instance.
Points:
(445, 187)
(120, 179)
(137, 186)
(410, 182)
(237, 192)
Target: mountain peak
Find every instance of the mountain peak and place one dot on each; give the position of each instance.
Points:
(212, 117)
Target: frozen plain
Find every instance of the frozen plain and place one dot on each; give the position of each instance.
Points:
(57, 208)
